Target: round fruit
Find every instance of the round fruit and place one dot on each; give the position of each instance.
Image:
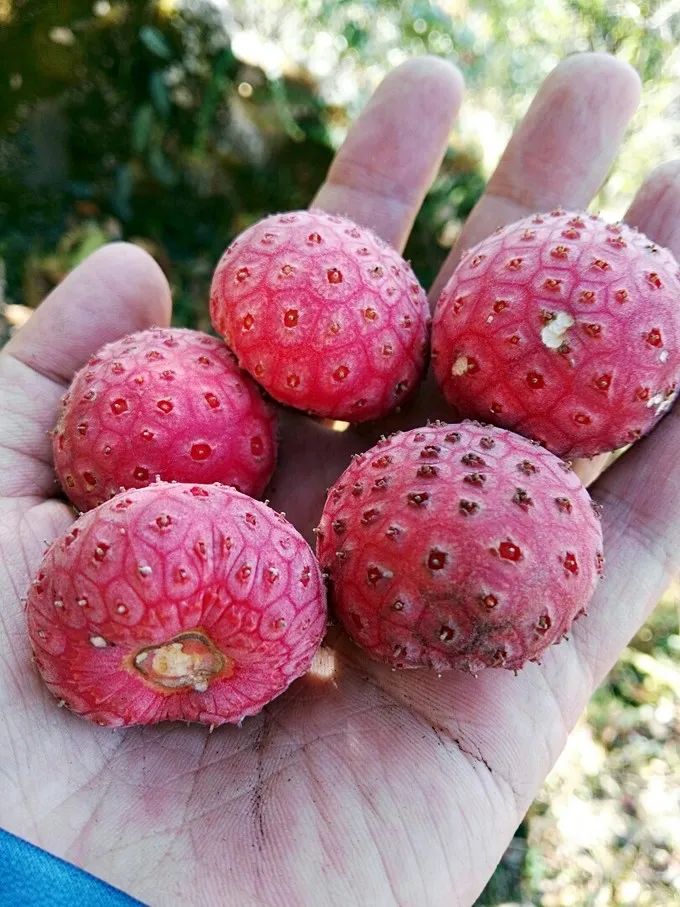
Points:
(563, 328)
(323, 313)
(167, 403)
(175, 601)
(459, 546)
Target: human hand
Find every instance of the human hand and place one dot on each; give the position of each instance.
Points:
(359, 785)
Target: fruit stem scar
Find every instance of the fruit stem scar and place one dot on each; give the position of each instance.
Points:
(187, 660)
(554, 333)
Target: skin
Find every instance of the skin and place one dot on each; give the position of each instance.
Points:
(367, 785)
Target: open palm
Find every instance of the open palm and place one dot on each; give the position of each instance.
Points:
(359, 785)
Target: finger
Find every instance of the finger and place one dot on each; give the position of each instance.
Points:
(117, 290)
(387, 162)
(561, 151)
(654, 210)
(589, 470)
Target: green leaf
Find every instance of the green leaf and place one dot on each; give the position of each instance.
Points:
(281, 103)
(141, 128)
(122, 192)
(161, 168)
(154, 41)
(212, 96)
(92, 240)
(159, 93)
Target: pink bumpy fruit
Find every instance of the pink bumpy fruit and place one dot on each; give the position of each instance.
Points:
(563, 328)
(178, 602)
(170, 403)
(324, 314)
(459, 546)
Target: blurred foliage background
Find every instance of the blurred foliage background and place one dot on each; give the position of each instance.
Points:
(176, 123)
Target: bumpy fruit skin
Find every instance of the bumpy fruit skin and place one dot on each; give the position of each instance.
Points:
(563, 328)
(324, 314)
(459, 546)
(175, 601)
(170, 403)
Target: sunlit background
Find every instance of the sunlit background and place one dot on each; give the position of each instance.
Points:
(175, 124)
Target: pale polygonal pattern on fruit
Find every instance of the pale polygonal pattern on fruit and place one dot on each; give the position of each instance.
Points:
(563, 328)
(461, 546)
(170, 403)
(323, 314)
(175, 601)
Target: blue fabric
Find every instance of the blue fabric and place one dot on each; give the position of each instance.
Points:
(30, 877)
